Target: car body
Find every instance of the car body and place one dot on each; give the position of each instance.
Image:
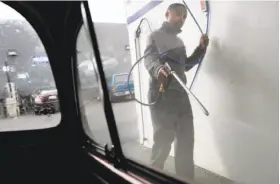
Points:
(46, 100)
(118, 87)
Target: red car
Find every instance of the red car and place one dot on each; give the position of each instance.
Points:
(46, 101)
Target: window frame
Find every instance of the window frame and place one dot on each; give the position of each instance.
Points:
(115, 157)
(114, 151)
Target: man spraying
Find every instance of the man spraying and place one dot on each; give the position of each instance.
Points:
(172, 116)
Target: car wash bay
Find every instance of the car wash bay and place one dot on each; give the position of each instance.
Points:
(238, 83)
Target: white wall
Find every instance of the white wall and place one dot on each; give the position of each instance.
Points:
(238, 83)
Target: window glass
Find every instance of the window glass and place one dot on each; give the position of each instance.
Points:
(121, 78)
(90, 90)
(28, 96)
(162, 135)
(117, 62)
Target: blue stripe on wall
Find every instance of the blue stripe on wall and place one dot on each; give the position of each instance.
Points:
(143, 11)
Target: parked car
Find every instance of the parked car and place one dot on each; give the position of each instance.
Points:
(46, 100)
(119, 88)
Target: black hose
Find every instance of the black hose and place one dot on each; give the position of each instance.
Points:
(128, 81)
(206, 32)
(159, 57)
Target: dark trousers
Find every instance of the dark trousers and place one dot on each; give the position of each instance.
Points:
(172, 120)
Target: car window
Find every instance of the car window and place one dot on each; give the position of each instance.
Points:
(24, 72)
(121, 78)
(127, 113)
(157, 127)
(90, 90)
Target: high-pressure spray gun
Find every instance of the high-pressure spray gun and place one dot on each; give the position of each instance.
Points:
(173, 73)
(161, 89)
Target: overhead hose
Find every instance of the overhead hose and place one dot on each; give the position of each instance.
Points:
(207, 10)
(138, 31)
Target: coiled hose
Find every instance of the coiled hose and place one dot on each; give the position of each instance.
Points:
(161, 90)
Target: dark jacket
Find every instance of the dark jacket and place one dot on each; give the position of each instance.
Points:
(166, 39)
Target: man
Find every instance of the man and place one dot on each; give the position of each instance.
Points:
(172, 115)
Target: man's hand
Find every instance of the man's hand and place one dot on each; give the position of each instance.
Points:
(163, 74)
(204, 41)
